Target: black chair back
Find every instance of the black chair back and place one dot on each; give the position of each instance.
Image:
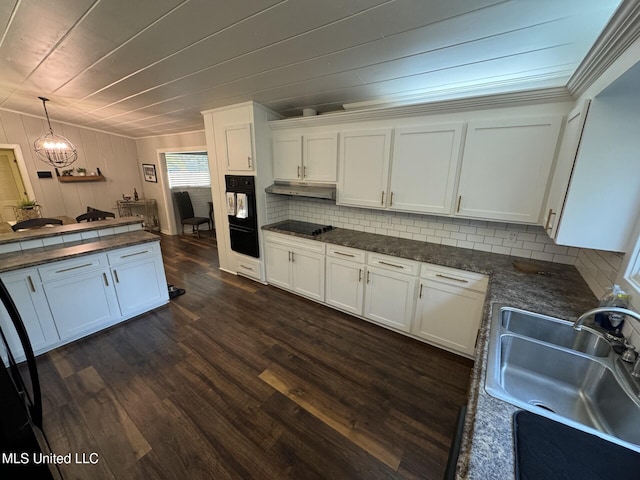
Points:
(94, 215)
(183, 202)
(35, 223)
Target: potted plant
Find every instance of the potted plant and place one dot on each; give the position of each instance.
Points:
(26, 209)
(27, 204)
(81, 171)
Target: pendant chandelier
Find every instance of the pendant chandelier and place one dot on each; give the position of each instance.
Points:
(52, 148)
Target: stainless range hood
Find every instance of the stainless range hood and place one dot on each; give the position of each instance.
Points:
(303, 190)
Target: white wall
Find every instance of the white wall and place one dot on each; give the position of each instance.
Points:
(116, 156)
(149, 151)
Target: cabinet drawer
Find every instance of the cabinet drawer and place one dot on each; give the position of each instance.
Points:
(346, 253)
(71, 267)
(295, 242)
(132, 254)
(395, 264)
(248, 266)
(453, 276)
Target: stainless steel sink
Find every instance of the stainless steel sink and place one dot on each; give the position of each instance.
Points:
(556, 331)
(537, 364)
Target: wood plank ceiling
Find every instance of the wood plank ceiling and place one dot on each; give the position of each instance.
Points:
(149, 67)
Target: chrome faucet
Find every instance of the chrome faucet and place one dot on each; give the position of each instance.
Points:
(624, 311)
(594, 311)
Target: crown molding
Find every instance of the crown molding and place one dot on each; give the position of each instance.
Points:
(622, 30)
(528, 97)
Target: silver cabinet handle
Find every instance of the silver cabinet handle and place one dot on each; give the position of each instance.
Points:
(459, 201)
(548, 225)
(359, 275)
(106, 282)
(298, 171)
(289, 255)
(115, 274)
(74, 268)
(462, 280)
(134, 254)
(382, 199)
(249, 162)
(304, 172)
(368, 276)
(344, 254)
(245, 267)
(31, 285)
(293, 258)
(391, 200)
(382, 262)
(420, 294)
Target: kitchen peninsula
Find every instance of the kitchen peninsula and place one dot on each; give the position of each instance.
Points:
(73, 280)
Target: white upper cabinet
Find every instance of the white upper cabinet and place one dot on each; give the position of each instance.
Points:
(311, 157)
(364, 168)
(505, 168)
(564, 165)
(424, 167)
(239, 148)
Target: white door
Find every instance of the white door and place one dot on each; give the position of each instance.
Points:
(562, 173)
(364, 168)
(424, 167)
(287, 157)
(12, 188)
(278, 265)
(308, 274)
(29, 298)
(505, 168)
(82, 303)
(320, 156)
(448, 315)
(345, 285)
(140, 285)
(389, 298)
(238, 147)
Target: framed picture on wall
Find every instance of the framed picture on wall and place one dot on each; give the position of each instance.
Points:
(149, 171)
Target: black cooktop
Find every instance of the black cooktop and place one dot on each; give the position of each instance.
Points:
(304, 228)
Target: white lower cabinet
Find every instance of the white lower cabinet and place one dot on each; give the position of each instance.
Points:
(65, 300)
(295, 264)
(345, 271)
(389, 298)
(28, 296)
(449, 308)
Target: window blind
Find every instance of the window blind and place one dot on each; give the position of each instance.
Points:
(189, 169)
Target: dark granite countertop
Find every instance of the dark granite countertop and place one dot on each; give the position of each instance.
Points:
(46, 232)
(487, 446)
(42, 255)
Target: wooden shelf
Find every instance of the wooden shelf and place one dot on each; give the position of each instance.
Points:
(81, 178)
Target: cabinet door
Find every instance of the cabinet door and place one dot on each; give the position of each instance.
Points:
(140, 286)
(364, 168)
(239, 148)
(345, 285)
(83, 303)
(562, 173)
(308, 274)
(424, 167)
(389, 298)
(448, 316)
(28, 296)
(278, 265)
(505, 168)
(287, 157)
(320, 154)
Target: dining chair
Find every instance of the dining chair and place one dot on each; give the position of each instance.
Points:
(35, 223)
(187, 216)
(94, 215)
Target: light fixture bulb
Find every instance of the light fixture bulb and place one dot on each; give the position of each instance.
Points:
(52, 148)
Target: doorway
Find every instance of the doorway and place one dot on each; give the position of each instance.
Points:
(12, 186)
(189, 172)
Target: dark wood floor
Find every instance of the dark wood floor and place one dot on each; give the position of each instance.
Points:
(239, 380)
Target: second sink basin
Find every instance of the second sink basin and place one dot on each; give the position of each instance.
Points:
(556, 331)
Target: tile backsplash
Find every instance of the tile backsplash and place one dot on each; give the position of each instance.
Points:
(599, 269)
(527, 241)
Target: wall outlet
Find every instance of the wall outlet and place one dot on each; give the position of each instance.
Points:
(513, 237)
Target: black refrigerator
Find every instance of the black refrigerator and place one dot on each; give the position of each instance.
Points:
(23, 444)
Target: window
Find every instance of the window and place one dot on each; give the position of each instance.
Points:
(188, 169)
